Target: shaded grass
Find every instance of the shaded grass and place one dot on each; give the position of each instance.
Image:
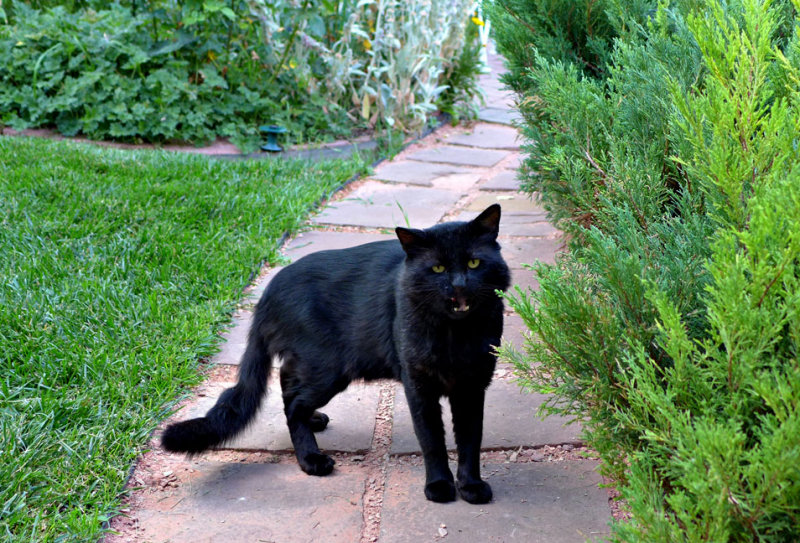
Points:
(117, 271)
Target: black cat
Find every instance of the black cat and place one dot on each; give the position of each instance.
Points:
(424, 311)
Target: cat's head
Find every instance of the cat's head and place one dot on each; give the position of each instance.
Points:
(454, 268)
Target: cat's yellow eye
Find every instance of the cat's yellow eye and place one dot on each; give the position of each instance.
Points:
(474, 263)
(438, 268)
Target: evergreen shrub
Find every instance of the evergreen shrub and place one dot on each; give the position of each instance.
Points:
(671, 326)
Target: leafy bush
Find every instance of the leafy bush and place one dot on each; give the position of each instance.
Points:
(389, 59)
(671, 325)
(462, 94)
(103, 75)
(195, 70)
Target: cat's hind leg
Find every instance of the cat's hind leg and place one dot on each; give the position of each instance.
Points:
(298, 418)
(301, 398)
(311, 459)
(318, 421)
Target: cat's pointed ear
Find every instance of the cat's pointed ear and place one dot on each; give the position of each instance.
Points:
(487, 223)
(411, 239)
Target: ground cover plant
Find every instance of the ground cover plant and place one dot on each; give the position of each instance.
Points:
(194, 70)
(119, 270)
(667, 151)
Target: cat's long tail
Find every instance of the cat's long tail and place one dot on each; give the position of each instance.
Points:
(234, 409)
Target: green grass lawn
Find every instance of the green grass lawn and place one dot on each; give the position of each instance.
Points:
(117, 272)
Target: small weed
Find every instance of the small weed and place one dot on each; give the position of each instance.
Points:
(405, 215)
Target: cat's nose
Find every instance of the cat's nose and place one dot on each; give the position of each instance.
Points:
(459, 281)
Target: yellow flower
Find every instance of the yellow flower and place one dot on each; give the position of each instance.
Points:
(367, 44)
(365, 108)
(477, 21)
(292, 64)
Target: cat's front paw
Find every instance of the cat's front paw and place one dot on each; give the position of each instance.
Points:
(440, 491)
(316, 464)
(477, 492)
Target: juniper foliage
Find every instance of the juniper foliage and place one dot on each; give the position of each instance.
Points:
(671, 326)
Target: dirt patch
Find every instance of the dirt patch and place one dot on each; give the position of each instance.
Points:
(376, 461)
(619, 507)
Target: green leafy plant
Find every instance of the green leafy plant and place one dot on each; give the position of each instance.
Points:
(196, 70)
(388, 60)
(670, 327)
(463, 95)
(101, 74)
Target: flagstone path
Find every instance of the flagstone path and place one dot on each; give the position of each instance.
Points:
(253, 490)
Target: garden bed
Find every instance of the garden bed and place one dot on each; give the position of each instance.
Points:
(191, 72)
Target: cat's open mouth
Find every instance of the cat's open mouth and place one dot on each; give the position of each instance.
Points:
(460, 305)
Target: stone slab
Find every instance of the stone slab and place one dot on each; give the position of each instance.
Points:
(497, 95)
(511, 203)
(540, 502)
(491, 79)
(319, 240)
(532, 225)
(258, 502)
(414, 172)
(504, 180)
(514, 331)
(522, 224)
(510, 420)
(514, 161)
(524, 279)
(499, 99)
(521, 216)
(234, 340)
(518, 252)
(456, 182)
(352, 415)
(487, 136)
(379, 205)
(499, 115)
(461, 156)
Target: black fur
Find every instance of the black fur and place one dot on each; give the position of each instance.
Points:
(379, 310)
